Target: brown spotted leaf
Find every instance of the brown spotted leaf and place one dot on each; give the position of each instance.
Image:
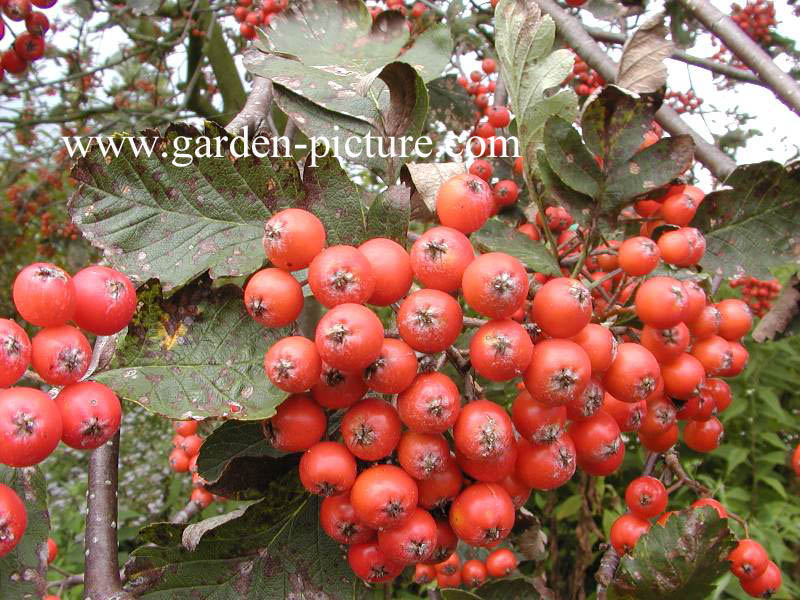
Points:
(200, 355)
(642, 68)
(173, 217)
(425, 179)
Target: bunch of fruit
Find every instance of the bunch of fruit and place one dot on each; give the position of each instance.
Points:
(250, 15)
(585, 80)
(473, 573)
(29, 45)
(646, 499)
(758, 293)
(756, 19)
(683, 102)
(416, 11)
(391, 474)
(84, 414)
(183, 459)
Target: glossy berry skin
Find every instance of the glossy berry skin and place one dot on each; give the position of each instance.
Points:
(394, 369)
(683, 377)
(482, 168)
(495, 285)
(498, 116)
(646, 497)
(336, 389)
(202, 497)
(588, 403)
(715, 504)
(703, 436)
(30, 426)
(327, 469)
(440, 487)
(178, 461)
(90, 414)
(184, 428)
(482, 515)
(349, 337)
(464, 202)
(293, 364)
(370, 563)
(338, 519)
(714, 353)
(661, 302)
(628, 415)
(421, 455)
(562, 307)
(748, 560)
(431, 404)
(391, 268)
(411, 541)
(383, 496)
(292, 238)
(537, 422)
(13, 519)
(52, 550)
(15, 352)
(766, 584)
(60, 355)
(439, 258)
(490, 469)
(501, 562)
(626, 531)
(273, 297)
(105, 300)
(662, 441)
(44, 295)
(340, 275)
(500, 350)
(450, 564)
(371, 429)
(297, 425)
(424, 574)
(17, 10)
(483, 430)
(638, 256)
(429, 320)
(558, 373)
(546, 466)
(660, 416)
(13, 63)
(633, 375)
(598, 445)
(505, 192)
(736, 319)
(706, 323)
(29, 47)
(473, 573)
(667, 344)
(599, 344)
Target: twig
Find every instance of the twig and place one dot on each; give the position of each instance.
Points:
(255, 110)
(650, 463)
(101, 569)
(605, 574)
(746, 50)
(674, 465)
(783, 310)
(473, 322)
(715, 160)
(185, 514)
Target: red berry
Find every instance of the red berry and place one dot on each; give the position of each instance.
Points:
(338, 519)
(646, 497)
(327, 469)
(297, 425)
(391, 268)
(90, 414)
(464, 202)
(15, 352)
(439, 258)
(626, 531)
(394, 370)
(558, 373)
(501, 562)
(429, 320)
(340, 275)
(371, 429)
(501, 350)
(369, 563)
(748, 560)
(431, 404)
(13, 519)
(293, 364)
(105, 300)
(411, 541)
(292, 238)
(30, 426)
(562, 307)
(60, 355)
(273, 297)
(495, 285)
(349, 337)
(482, 515)
(384, 496)
(44, 295)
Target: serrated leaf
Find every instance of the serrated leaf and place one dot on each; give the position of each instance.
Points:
(273, 549)
(198, 355)
(681, 559)
(155, 219)
(425, 180)
(753, 224)
(23, 571)
(389, 215)
(496, 236)
(450, 104)
(524, 41)
(430, 53)
(648, 170)
(570, 159)
(614, 123)
(578, 204)
(641, 67)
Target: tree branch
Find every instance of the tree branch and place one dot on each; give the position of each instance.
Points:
(255, 110)
(102, 570)
(185, 514)
(612, 37)
(783, 311)
(746, 50)
(714, 159)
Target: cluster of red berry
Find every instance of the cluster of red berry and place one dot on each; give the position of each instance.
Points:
(84, 414)
(758, 293)
(585, 80)
(646, 498)
(683, 102)
(580, 388)
(473, 573)
(183, 459)
(29, 45)
(250, 15)
(756, 19)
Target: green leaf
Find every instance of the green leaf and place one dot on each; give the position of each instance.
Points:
(430, 53)
(524, 41)
(648, 170)
(155, 219)
(24, 569)
(570, 159)
(272, 549)
(615, 122)
(389, 215)
(450, 104)
(496, 236)
(578, 204)
(753, 224)
(334, 198)
(568, 508)
(681, 559)
(198, 355)
(238, 463)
